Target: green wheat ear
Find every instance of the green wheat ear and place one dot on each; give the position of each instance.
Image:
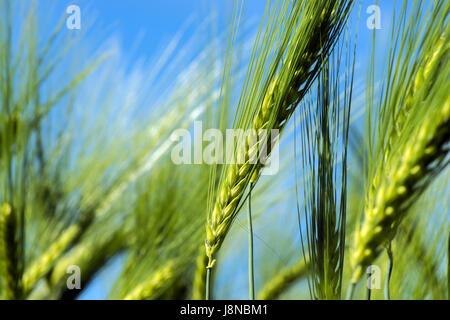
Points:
(46, 261)
(283, 280)
(311, 29)
(11, 283)
(410, 171)
(155, 282)
(90, 255)
(416, 147)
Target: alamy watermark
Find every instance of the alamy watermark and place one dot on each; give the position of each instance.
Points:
(74, 280)
(73, 21)
(374, 20)
(238, 146)
(374, 277)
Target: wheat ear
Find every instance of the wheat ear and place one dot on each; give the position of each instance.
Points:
(411, 169)
(153, 284)
(45, 262)
(89, 256)
(415, 149)
(8, 254)
(425, 78)
(319, 26)
(283, 280)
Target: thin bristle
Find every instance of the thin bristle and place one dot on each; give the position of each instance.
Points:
(324, 153)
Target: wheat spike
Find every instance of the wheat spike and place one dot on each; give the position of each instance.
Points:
(283, 280)
(410, 170)
(45, 262)
(319, 26)
(153, 284)
(88, 255)
(425, 78)
(415, 149)
(8, 254)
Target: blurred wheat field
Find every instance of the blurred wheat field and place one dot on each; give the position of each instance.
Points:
(98, 189)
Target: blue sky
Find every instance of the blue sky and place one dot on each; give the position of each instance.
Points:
(146, 25)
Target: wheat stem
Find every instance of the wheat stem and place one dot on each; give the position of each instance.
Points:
(369, 290)
(199, 286)
(251, 277)
(387, 293)
(351, 291)
(208, 284)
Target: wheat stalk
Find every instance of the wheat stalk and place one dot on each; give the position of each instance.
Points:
(283, 280)
(199, 286)
(319, 26)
